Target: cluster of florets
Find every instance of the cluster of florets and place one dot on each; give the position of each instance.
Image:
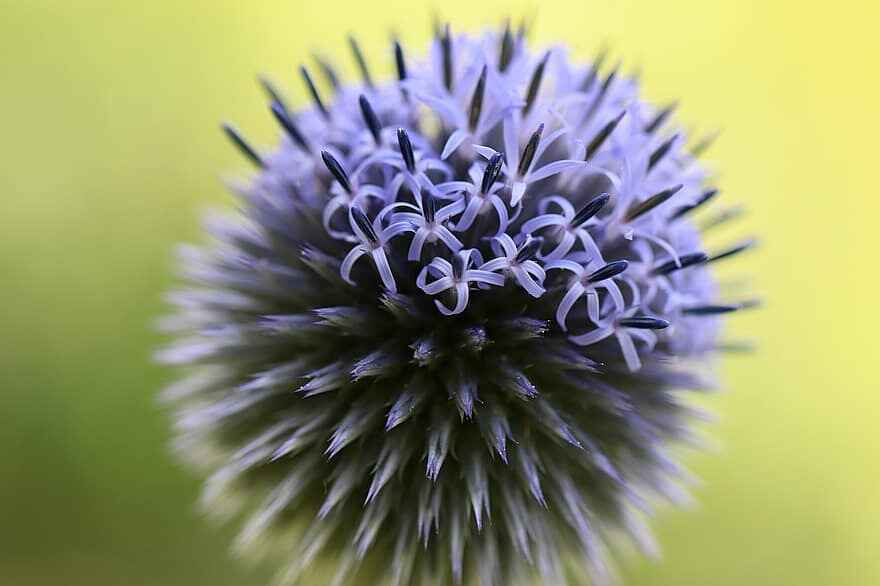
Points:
(448, 339)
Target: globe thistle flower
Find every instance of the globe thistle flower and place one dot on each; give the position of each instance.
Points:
(446, 339)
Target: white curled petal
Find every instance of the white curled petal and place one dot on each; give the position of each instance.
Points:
(565, 265)
(418, 241)
(484, 151)
(384, 269)
(448, 238)
(470, 213)
(541, 222)
(495, 264)
(503, 217)
(526, 281)
(568, 301)
(455, 140)
(592, 337)
(615, 294)
(517, 192)
(394, 230)
(348, 263)
(554, 168)
(630, 354)
(450, 210)
(481, 276)
(646, 336)
(504, 243)
(593, 306)
(461, 300)
(563, 247)
(563, 204)
(589, 244)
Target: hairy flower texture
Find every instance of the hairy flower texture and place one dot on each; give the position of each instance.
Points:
(448, 339)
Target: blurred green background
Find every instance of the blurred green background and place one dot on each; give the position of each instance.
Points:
(109, 149)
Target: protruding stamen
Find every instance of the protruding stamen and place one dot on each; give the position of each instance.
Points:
(429, 207)
(337, 170)
(643, 323)
(535, 83)
(528, 153)
(712, 309)
(406, 150)
(242, 145)
(705, 197)
(477, 100)
(610, 270)
(602, 136)
(458, 267)
(361, 62)
(328, 72)
(505, 55)
(652, 202)
(446, 49)
(271, 91)
(733, 250)
(284, 119)
(684, 261)
(661, 152)
(360, 219)
(661, 117)
(529, 249)
(490, 175)
(313, 91)
(370, 118)
(593, 207)
(399, 60)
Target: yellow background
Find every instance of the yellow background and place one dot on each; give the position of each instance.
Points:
(109, 148)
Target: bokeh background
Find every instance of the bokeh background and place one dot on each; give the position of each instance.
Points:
(109, 150)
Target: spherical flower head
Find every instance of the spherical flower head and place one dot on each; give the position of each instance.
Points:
(446, 339)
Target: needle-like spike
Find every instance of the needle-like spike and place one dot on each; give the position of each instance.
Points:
(602, 136)
(328, 72)
(733, 250)
(661, 117)
(644, 322)
(704, 198)
(684, 261)
(313, 91)
(711, 309)
(284, 119)
(535, 82)
(661, 152)
(446, 49)
(593, 207)
(476, 107)
(242, 145)
(271, 91)
(505, 55)
(639, 209)
(399, 61)
(593, 74)
(337, 170)
(528, 153)
(493, 170)
(406, 150)
(370, 118)
(361, 62)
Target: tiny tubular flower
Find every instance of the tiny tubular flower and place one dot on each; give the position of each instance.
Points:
(457, 276)
(373, 238)
(517, 260)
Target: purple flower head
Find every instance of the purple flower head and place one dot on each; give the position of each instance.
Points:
(446, 337)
